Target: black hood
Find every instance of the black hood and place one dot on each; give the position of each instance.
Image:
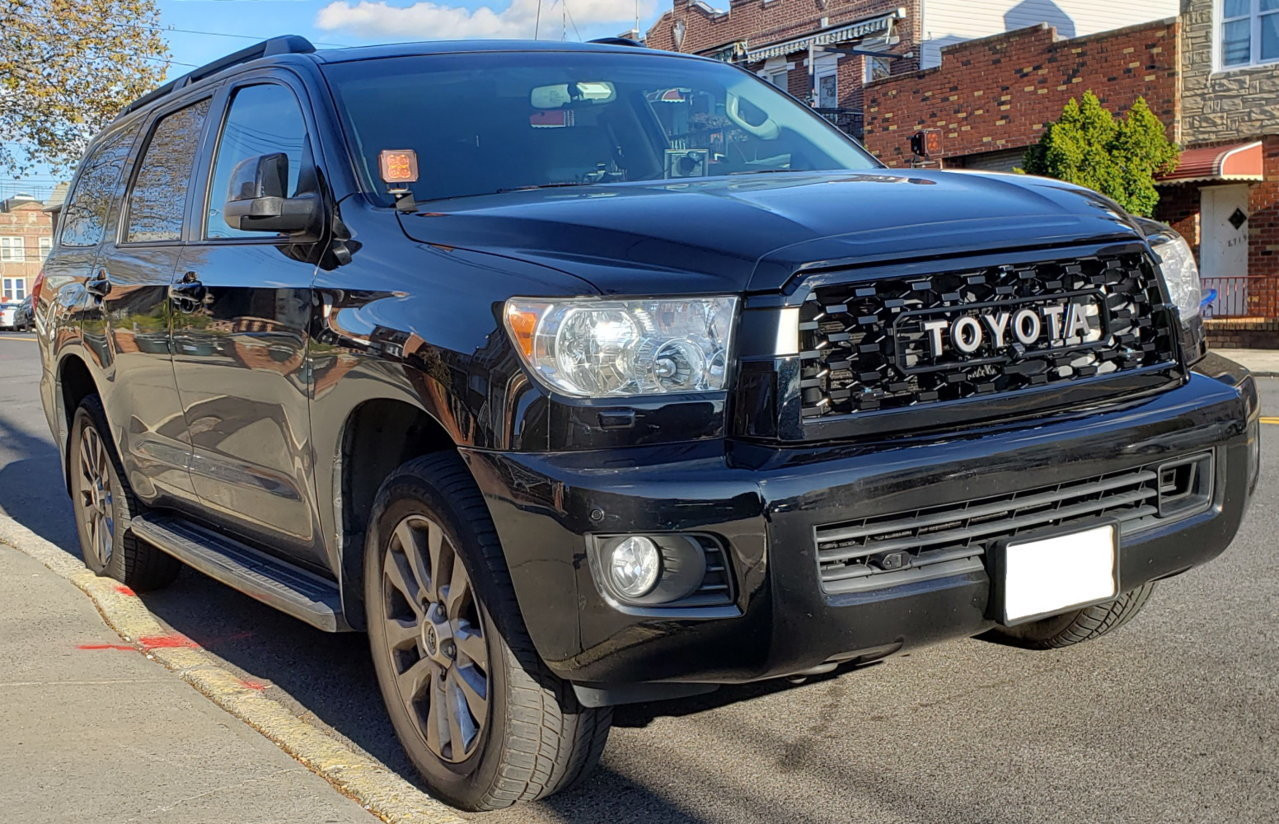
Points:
(754, 232)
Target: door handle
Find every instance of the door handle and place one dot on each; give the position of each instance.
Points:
(187, 291)
(98, 285)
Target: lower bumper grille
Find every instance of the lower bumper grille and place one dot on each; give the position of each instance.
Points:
(900, 548)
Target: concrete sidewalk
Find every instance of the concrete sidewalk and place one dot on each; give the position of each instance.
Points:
(93, 731)
(1260, 362)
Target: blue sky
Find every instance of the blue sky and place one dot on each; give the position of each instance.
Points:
(359, 22)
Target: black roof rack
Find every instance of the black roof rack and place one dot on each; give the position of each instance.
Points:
(617, 41)
(285, 44)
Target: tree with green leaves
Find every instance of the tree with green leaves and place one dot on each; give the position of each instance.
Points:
(1120, 158)
(67, 68)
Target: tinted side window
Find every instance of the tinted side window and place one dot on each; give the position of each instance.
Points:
(263, 119)
(85, 214)
(158, 197)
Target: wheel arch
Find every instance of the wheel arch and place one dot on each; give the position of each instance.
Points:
(362, 462)
(74, 383)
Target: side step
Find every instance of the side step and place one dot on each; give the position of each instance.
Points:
(274, 582)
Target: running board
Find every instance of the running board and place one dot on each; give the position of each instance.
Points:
(268, 579)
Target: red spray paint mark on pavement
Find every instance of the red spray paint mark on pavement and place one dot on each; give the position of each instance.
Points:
(123, 590)
(253, 685)
(106, 646)
(165, 642)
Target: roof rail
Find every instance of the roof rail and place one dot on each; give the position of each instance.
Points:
(617, 41)
(284, 44)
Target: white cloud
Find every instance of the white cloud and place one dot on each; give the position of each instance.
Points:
(433, 21)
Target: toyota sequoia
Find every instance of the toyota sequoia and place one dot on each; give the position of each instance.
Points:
(578, 375)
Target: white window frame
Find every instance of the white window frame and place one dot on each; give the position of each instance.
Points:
(868, 64)
(1254, 16)
(15, 288)
(775, 68)
(8, 244)
(45, 245)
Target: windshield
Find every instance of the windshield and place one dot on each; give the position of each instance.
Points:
(498, 121)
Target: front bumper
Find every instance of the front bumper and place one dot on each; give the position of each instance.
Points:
(765, 503)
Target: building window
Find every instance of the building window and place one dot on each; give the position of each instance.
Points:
(1249, 32)
(877, 68)
(778, 78)
(12, 250)
(46, 246)
(15, 288)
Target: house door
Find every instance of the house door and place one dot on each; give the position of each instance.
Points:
(1224, 218)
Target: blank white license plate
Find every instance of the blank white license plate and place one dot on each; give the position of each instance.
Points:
(1050, 575)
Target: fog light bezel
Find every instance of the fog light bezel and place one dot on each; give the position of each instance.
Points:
(683, 568)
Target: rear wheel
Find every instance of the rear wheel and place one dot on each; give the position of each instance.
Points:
(104, 505)
(1076, 626)
(479, 714)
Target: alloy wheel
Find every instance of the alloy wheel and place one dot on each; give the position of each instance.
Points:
(435, 636)
(96, 498)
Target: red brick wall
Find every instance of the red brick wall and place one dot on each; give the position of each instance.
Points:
(997, 93)
(760, 23)
(1263, 223)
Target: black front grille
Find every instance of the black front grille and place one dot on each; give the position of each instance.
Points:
(866, 345)
(902, 547)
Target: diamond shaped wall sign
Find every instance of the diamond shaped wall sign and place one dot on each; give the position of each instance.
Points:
(1238, 219)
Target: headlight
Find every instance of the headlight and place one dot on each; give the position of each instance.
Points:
(1180, 273)
(594, 348)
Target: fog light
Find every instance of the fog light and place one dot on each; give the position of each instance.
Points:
(634, 566)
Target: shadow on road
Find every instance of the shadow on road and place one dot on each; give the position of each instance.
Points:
(32, 490)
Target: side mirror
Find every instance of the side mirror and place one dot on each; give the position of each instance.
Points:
(256, 198)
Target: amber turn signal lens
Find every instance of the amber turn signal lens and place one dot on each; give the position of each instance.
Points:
(398, 165)
(523, 325)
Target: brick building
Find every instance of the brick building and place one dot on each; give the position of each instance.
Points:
(26, 236)
(992, 97)
(827, 51)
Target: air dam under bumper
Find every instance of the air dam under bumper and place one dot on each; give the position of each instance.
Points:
(764, 504)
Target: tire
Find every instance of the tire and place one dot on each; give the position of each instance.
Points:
(104, 507)
(529, 737)
(1074, 627)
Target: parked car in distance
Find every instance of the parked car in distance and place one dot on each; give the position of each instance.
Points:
(9, 314)
(582, 374)
(24, 315)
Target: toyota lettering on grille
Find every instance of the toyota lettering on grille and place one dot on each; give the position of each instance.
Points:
(998, 332)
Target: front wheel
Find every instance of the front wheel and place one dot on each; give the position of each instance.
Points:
(1076, 626)
(479, 714)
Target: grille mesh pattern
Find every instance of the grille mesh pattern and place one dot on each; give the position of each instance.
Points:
(863, 341)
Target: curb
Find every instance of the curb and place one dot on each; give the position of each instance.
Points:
(357, 776)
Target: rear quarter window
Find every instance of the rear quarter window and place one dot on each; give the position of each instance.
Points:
(85, 215)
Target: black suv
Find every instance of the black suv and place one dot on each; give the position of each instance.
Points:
(583, 374)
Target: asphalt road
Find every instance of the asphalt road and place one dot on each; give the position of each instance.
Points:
(1174, 718)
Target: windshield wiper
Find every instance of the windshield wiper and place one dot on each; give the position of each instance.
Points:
(764, 171)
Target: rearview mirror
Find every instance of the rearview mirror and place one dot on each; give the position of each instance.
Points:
(256, 198)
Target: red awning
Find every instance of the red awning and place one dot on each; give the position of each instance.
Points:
(1238, 161)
